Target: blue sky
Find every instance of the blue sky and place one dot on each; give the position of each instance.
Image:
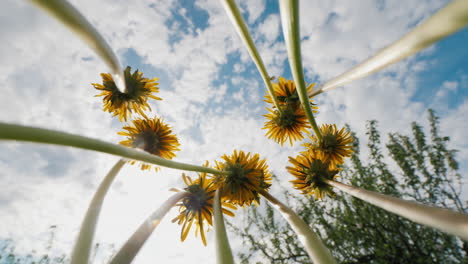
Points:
(212, 96)
(449, 64)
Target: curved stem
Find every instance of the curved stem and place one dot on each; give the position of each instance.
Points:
(443, 219)
(445, 22)
(41, 135)
(314, 247)
(290, 20)
(223, 250)
(130, 249)
(239, 24)
(66, 13)
(83, 244)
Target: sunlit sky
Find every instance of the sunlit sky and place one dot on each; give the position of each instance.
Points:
(212, 97)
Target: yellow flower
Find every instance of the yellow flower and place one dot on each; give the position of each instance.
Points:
(152, 136)
(286, 125)
(286, 93)
(247, 175)
(334, 146)
(197, 207)
(289, 123)
(133, 99)
(311, 174)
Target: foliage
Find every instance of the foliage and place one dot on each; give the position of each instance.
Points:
(358, 232)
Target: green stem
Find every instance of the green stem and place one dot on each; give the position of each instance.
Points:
(239, 24)
(41, 135)
(314, 247)
(445, 220)
(223, 250)
(130, 249)
(76, 22)
(82, 248)
(290, 20)
(445, 22)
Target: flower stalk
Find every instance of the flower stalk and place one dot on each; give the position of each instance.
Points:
(314, 247)
(41, 135)
(443, 219)
(239, 24)
(289, 10)
(223, 250)
(82, 249)
(445, 22)
(130, 249)
(66, 13)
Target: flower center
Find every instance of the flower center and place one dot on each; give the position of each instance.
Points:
(317, 172)
(329, 143)
(285, 119)
(236, 172)
(237, 177)
(148, 141)
(198, 199)
(133, 84)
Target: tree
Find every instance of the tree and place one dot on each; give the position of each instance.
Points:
(357, 232)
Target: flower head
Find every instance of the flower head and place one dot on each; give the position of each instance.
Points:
(288, 124)
(152, 136)
(197, 207)
(311, 174)
(286, 93)
(247, 174)
(334, 145)
(133, 99)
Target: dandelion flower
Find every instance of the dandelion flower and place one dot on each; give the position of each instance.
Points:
(311, 174)
(288, 124)
(152, 136)
(197, 207)
(334, 145)
(286, 93)
(134, 99)
(247, 174)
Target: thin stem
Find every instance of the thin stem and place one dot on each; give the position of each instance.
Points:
(130, 249)
(290, 20)
(314, 247)
(239, 24)
(223, 250)
(443, 219)
(66, 13)
(445, 22)
(41, 135)
(82, 248)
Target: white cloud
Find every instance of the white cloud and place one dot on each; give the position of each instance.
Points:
(270, 28)
(458, 119)
(447, 87)
(253, 8)
(339, 34)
